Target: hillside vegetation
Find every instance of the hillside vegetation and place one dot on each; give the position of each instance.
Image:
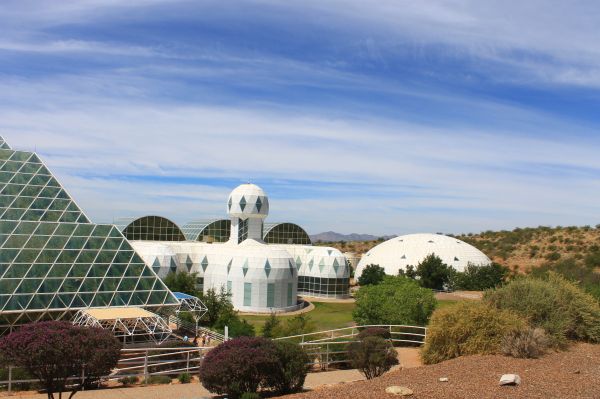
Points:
(521, 249)
(573, 252)
(528, 248)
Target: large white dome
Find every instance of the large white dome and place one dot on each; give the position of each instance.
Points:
(411, 249)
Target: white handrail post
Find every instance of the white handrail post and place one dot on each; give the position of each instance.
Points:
(187, 367)
(83, 377)
(10, 379)
(146, 368)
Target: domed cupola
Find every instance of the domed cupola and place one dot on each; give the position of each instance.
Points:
(248, 206)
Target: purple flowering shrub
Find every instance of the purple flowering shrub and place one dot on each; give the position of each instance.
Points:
(54, 351)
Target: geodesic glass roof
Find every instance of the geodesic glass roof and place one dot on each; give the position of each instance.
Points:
(53, 259)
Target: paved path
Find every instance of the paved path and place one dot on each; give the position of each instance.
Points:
(409, 358)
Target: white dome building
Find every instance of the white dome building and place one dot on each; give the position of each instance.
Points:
(260, 277)
(399, 252)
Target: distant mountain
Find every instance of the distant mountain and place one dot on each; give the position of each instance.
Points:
(332, 236)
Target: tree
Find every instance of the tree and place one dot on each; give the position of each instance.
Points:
(372, 356)
(272, 327)
(434, 273)
(479, 278)
(298, 325)
(216, 305)
(182, 282)
(54, 351)
(371, 275)
(397, 300)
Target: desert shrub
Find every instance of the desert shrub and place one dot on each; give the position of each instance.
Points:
(272, 327)
(250, 395)
(237, 327)
(529, 343)
(397, 300)
(560, 307)
(240, 365)
(371, 275)
(372, 356)
(375, 332)
(434, 273)
(467, 328)
(553, 256)
(130, 380)
(53, 351)
(158, 380)
(297, 325)
(293, 367)
(184, 378)
(479, 278)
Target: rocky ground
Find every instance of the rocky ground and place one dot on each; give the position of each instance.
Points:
(571, 374)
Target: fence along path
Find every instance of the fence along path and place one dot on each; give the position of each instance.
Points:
(325, 348)
(331, 347)
(398, 333)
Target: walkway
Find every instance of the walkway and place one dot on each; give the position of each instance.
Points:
(409, 358)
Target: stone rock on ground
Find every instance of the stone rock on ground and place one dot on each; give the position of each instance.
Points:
(400, 391)
(510, 379)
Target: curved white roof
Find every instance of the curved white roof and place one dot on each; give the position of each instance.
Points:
(248, 200)
(411, 249)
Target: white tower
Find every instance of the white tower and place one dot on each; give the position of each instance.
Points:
(248, 206)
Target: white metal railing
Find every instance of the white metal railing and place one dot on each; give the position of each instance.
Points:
(192, 328)
(324, 348)
(141, 362)
(398, 333)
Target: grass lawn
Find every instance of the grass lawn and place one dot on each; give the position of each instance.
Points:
(327, 315)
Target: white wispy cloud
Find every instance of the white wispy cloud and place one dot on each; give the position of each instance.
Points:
(145, 129)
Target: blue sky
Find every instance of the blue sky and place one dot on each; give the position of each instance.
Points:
(384, 117)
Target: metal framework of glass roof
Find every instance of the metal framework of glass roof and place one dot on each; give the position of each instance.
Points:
(150, 228)
(214, 230)
(53, 261)
(285, 233)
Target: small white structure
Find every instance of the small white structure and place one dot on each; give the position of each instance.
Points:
(399, 252)
(260, 277)
(129, 323)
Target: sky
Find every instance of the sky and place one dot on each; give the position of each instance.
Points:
(387, 117)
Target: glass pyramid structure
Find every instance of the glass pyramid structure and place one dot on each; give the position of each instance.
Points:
(53, 260)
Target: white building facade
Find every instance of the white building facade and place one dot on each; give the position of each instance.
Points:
(260, 277)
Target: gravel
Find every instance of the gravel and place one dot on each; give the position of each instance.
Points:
(571, 374)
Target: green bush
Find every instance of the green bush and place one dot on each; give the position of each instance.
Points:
(240, 365)
(479, 278)
(272, 327)
(293, 367)
(250, 395)
(434, 273)
(375, 332)
(184, 378)
(371, 275)
(529, 343)
(237, 327)
(158, 380)
(372, 356)
(467, 328)
(126, 381)
(397, 300)
(560, 307)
